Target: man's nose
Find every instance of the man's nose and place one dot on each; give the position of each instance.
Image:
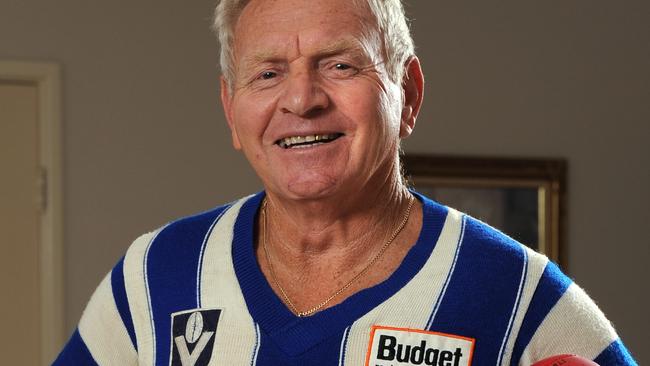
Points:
(303, 94)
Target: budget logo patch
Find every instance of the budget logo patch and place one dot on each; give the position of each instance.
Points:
(391, 346)
(193, 335)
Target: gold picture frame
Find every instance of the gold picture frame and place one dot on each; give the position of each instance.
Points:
(525, 198)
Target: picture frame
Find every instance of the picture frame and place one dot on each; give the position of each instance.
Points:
(525, 198)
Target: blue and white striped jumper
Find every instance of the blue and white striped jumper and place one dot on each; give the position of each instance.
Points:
(462, 281)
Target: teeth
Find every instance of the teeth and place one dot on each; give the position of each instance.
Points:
(293, 140)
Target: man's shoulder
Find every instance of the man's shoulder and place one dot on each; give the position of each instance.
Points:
(195, 223)
(491, 239)
(187, 227)
(482, 246)
(488, 244)
(473, 228)
(483, 238)
(479, 242)
(206, 217)
(183, 240)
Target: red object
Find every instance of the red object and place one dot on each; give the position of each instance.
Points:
(565, 360)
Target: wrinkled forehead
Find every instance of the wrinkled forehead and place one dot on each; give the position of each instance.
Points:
(268, 27)
(289, 10)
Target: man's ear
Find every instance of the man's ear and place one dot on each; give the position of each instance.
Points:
(226, 100)
(413, 90)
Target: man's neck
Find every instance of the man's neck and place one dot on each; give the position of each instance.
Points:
(314, 256)
(342, 224)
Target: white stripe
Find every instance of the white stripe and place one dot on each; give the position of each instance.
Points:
(574, 325)
(146, 285)
(430, 280)
(451, 273)
(515, 306)
(138, 296)
(236, 332)
(258, 340)
(342, 349)
(536, 265)
(198, 269)
(103, 331)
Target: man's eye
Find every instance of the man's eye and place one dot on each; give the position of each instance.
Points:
(268, 75)
(341, 70)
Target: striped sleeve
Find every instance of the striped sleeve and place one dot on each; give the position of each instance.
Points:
(615, 354)
(562, 319)
(105, 335)
(75, 352)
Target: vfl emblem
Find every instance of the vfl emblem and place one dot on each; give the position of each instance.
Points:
(193, 336)
(402, 346)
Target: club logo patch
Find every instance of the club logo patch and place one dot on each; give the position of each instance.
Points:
(193, 335)
(390, 346)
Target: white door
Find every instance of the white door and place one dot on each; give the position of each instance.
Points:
(20, 221)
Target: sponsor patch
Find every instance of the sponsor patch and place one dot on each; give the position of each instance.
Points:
(391, 346)
(193, 335)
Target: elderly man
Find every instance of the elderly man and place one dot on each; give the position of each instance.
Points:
(337, 262)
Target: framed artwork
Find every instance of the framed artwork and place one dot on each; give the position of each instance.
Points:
(525, 198)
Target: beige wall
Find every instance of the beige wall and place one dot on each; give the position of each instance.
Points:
(145, 140)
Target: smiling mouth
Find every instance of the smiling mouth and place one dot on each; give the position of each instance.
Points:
(307, 141)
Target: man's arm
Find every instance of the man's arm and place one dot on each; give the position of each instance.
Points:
(105, 335)
(563, 319)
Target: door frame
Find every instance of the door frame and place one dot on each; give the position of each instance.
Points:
(46, 77)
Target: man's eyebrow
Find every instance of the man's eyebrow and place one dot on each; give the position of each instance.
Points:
(342, 46)
(259, 57)
(335, 48)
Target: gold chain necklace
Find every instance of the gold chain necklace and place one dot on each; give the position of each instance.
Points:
(301, 314)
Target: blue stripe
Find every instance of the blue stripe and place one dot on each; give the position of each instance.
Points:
(121, 300)
(75, 353)
(323, 353)
(483, 291)
(171, 269)
(615, 355)
(552, 285)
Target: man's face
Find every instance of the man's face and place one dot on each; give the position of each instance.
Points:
(312, 106)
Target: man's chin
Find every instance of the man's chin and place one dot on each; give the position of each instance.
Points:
(310, 190)
(316, 188)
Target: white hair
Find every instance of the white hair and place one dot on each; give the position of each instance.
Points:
(391, 23)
